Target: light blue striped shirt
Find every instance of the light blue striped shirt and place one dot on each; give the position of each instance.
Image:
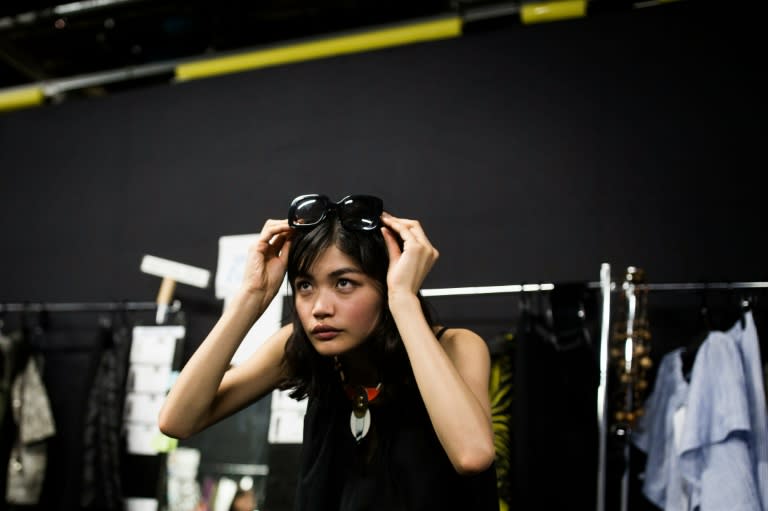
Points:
(716, 434)
(707, 442)
(749, 347)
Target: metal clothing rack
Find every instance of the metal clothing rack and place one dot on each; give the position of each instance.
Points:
(78, 307)
(606, 287)
(486, 290)
(604, 284)
(524, 288)
(82, 306)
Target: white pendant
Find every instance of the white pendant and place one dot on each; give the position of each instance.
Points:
(360, 425)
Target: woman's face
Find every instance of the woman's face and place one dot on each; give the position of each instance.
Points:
(338, 304)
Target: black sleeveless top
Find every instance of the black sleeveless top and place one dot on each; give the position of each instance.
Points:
(399, 465)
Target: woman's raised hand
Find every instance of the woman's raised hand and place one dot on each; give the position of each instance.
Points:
(267, 260)
(409, 266)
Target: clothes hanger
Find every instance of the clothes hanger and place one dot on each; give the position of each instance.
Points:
(524, 317)
(112, 324)
(538, 318)
(745, 304)
(568, 316)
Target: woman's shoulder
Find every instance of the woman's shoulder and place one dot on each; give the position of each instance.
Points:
(447, 334)
(279, 339)
(460, 342)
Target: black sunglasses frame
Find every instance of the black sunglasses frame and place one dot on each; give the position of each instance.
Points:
(373, 204)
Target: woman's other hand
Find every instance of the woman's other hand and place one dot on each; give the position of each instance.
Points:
(409, 266)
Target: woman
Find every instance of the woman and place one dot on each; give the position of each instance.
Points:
(398, 415)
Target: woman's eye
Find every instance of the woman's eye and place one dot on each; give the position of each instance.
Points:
(344, 283)
(302, 285)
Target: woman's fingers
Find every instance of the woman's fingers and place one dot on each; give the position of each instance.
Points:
(274, 227)
(411, 264)
(268, 257)
(404, 227)
(392, 243)
(273, 235)
(409, 231)
(279, 242)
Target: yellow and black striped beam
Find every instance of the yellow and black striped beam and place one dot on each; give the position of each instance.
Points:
(540, 12)
(442, 28)
(380, 38)
(21, 97)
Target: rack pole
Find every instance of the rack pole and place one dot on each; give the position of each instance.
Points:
(82, 306)
(602, 420)
(487, 290)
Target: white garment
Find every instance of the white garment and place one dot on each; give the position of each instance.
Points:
(28, 459)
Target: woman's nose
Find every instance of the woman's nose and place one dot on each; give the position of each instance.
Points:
(323, 306)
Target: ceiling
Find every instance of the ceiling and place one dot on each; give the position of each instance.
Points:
(46, 40)
(70, 47)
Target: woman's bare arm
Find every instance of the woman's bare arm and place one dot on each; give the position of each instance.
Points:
(452, 375)
(207, 390)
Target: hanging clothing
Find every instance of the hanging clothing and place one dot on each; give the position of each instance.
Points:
(501, 393)
(554, 430)
(7, 430)
(399, 465)
(716, 434)
(8, 356)
(102, 444)
(747, 340)
(32, 413)
(701, 438)
(657, 434)
(72, 353)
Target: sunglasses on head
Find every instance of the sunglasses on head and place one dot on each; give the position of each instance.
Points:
(355, 212)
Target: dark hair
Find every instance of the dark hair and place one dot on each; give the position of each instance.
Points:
(308, 369)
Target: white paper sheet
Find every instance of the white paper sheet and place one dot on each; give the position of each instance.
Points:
(233, 253)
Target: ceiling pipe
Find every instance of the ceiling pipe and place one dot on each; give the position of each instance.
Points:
(31, 17)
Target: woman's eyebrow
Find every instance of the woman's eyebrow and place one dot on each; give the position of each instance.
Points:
(342, 271)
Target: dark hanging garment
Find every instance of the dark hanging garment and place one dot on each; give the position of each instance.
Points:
(554, 427)
(8, 365)
(12, 354)
(102, 445)
(7, 372)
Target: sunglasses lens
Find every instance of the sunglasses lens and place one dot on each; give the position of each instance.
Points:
(356, 212)
(361, 213)
(308, 211)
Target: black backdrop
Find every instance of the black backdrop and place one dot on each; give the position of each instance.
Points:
(530, 153)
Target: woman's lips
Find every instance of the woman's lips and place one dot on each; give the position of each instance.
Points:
(325, 333)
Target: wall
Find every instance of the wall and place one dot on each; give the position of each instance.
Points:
(530, 153)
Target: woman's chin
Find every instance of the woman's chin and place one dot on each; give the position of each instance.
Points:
(330, 348)
(337, 346)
